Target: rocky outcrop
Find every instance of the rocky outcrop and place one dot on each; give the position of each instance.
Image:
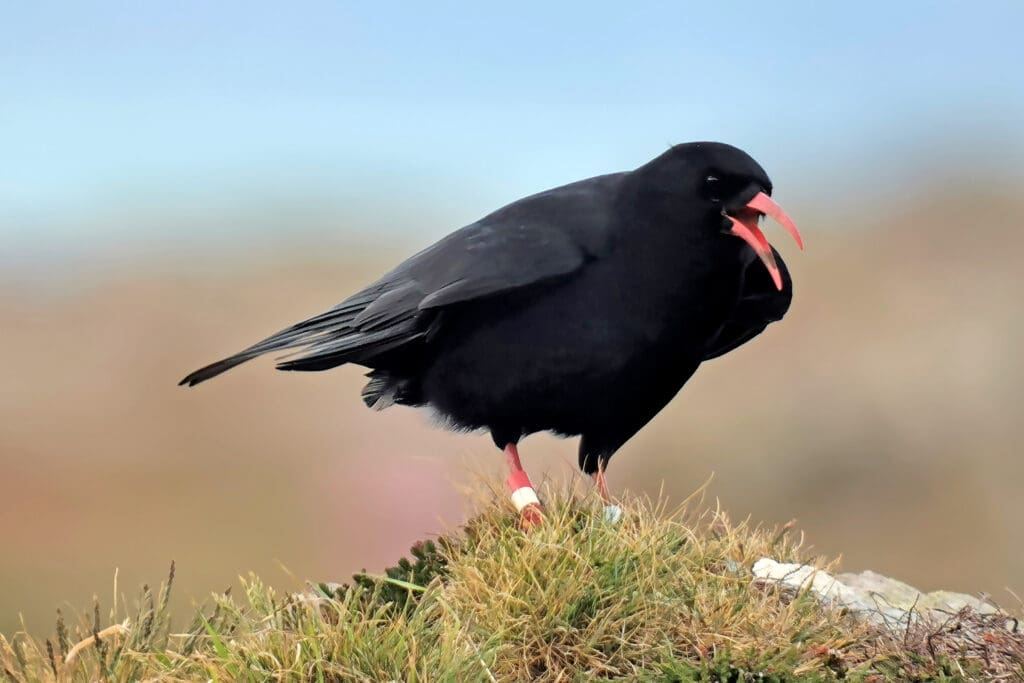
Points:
(876, 598)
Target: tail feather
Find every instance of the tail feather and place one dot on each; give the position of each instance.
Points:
(302, 334)
(344, 334)
(213, 369)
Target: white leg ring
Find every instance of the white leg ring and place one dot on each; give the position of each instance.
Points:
(612, 513)
(524, 496)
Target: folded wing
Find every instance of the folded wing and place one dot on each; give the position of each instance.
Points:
(532, 241)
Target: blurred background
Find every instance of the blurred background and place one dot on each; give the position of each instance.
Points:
(180, 179)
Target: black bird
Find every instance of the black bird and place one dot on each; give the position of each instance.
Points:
(581, 310)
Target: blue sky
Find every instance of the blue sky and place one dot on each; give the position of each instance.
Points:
(116, 107)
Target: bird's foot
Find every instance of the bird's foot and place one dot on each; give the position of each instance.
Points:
(612, 513)
(531, 517)
(524, 497)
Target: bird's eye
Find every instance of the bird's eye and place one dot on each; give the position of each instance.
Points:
(711, 182)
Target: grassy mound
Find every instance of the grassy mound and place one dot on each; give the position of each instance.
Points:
(663, 595)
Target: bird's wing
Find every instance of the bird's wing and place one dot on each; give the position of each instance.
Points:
(534, 240)
(760, 303)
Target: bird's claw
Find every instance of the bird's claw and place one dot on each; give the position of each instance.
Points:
(531, 517)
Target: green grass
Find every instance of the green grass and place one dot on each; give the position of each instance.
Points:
(665, 595)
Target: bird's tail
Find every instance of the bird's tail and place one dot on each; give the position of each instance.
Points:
(301, 334)
(213, 369)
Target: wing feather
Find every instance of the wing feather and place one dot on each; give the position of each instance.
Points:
(529, 242)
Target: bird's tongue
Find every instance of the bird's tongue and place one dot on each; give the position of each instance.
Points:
(744, 226)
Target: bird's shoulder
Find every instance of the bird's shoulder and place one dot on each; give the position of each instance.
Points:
(583, 211)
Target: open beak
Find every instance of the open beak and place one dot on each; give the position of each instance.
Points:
(744, 226)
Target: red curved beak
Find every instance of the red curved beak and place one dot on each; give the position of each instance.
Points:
(744, 226)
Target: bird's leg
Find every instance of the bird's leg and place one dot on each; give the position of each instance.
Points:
(612, 512)
(602, 486)
(523, 496)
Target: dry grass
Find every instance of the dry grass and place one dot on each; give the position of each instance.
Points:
(663, 595)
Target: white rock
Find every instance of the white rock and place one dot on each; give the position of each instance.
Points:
(871, 595)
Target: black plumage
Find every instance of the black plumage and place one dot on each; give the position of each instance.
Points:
(581, 310)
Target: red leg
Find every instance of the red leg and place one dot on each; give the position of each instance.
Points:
(612, 512)
(602, 486)
(512, 458)
(523, 496)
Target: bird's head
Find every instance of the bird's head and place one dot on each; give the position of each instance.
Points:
(730, 189)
